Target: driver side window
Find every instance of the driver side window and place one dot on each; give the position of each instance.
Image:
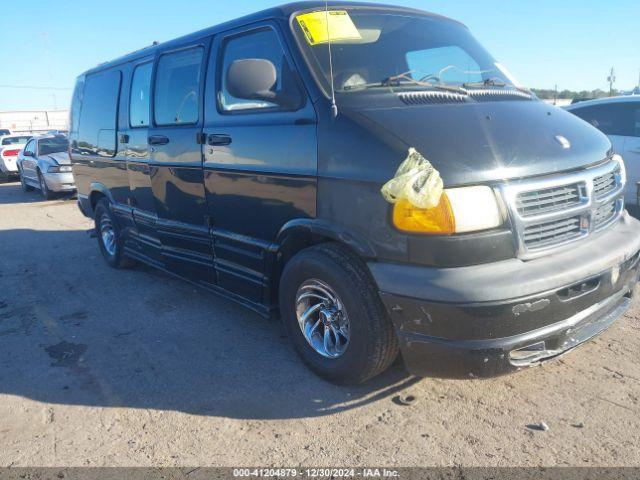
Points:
(30, 147)
(261, 45)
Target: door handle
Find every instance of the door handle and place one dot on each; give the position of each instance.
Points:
(218, 140)
(158, 140)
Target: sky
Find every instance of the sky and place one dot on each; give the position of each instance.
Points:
(569, 43)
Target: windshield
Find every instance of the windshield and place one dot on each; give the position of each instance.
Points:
(48, 146)
(15, 140)
(373, 49)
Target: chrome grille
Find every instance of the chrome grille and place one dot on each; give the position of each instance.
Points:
(605, 183)
(547, 200)
(604, 214)
(550, 233)
(553, 211)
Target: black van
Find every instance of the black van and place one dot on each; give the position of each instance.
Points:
(249, 158)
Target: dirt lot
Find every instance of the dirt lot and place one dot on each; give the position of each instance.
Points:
(122, 368)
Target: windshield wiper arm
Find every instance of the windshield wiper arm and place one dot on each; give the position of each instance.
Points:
(489, 82)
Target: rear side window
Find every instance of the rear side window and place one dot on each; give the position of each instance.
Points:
(636, 120)
(177, 91)
(139, 98)
(263, 45)
(98, 115)
(611, 119)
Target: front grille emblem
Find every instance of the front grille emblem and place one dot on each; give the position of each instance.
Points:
(566, 144)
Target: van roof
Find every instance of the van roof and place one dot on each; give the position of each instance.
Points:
(281, 12)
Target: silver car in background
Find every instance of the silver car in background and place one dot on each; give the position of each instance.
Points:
(44, 164)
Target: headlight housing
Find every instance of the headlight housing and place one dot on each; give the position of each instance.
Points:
(59, 169)
(461, 210)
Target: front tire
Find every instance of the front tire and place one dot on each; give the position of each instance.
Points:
(334, 317)
(44, 189)
(109, 236)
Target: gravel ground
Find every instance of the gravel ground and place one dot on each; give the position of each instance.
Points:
(120, 368)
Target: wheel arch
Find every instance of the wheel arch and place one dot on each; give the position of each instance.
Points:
(313, 231)
(96, 192)
(298, 234)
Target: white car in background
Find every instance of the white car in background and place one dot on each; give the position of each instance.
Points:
(10, 146)
(619, 119)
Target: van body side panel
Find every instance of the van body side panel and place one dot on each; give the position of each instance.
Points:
(143, 238)
(264, 178)
(176, 177)
(97, 155)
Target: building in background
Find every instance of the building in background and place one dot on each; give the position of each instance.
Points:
(36, 121)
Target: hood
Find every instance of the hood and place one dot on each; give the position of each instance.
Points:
(489, 141)
(61, 158)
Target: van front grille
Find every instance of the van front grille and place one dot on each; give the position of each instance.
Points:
(553, 232)
(536, 202)
(550, 212)
(605, 183)
(604, 214)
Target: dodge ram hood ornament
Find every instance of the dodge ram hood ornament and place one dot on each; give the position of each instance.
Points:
(566, 144)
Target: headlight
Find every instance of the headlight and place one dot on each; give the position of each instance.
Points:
(59, 169)
(466, 209)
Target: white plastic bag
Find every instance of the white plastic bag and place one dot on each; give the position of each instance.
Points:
(417, 181)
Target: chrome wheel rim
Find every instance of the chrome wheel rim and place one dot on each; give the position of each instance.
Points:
(108, 235)
(322, 318)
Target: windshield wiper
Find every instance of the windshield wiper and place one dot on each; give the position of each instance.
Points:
(408, 83)
(489, 82)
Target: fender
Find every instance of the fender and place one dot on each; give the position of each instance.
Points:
(327, 229)
(99, 187)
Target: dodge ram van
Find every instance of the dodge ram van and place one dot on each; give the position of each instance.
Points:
(254, 159)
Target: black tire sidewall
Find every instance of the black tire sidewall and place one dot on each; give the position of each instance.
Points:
(348, 367)
(102, 209)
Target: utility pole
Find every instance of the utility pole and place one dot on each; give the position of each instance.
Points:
(611, 79)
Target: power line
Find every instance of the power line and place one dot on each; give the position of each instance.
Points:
(33, 87)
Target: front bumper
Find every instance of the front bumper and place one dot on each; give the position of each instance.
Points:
(492, 319)
(60, 182)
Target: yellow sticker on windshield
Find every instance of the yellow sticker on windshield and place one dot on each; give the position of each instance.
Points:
(340, 26)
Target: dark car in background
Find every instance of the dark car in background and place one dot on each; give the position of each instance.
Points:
(249, 158)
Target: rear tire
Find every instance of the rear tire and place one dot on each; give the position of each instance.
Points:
(110, 239)
(361, 350)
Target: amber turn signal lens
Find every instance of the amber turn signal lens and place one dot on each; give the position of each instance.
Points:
(438, 220)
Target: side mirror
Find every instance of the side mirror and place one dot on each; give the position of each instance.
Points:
(27, 154)
(252, 79)
(255, 79)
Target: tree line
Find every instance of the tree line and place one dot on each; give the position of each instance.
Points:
(547, 94)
